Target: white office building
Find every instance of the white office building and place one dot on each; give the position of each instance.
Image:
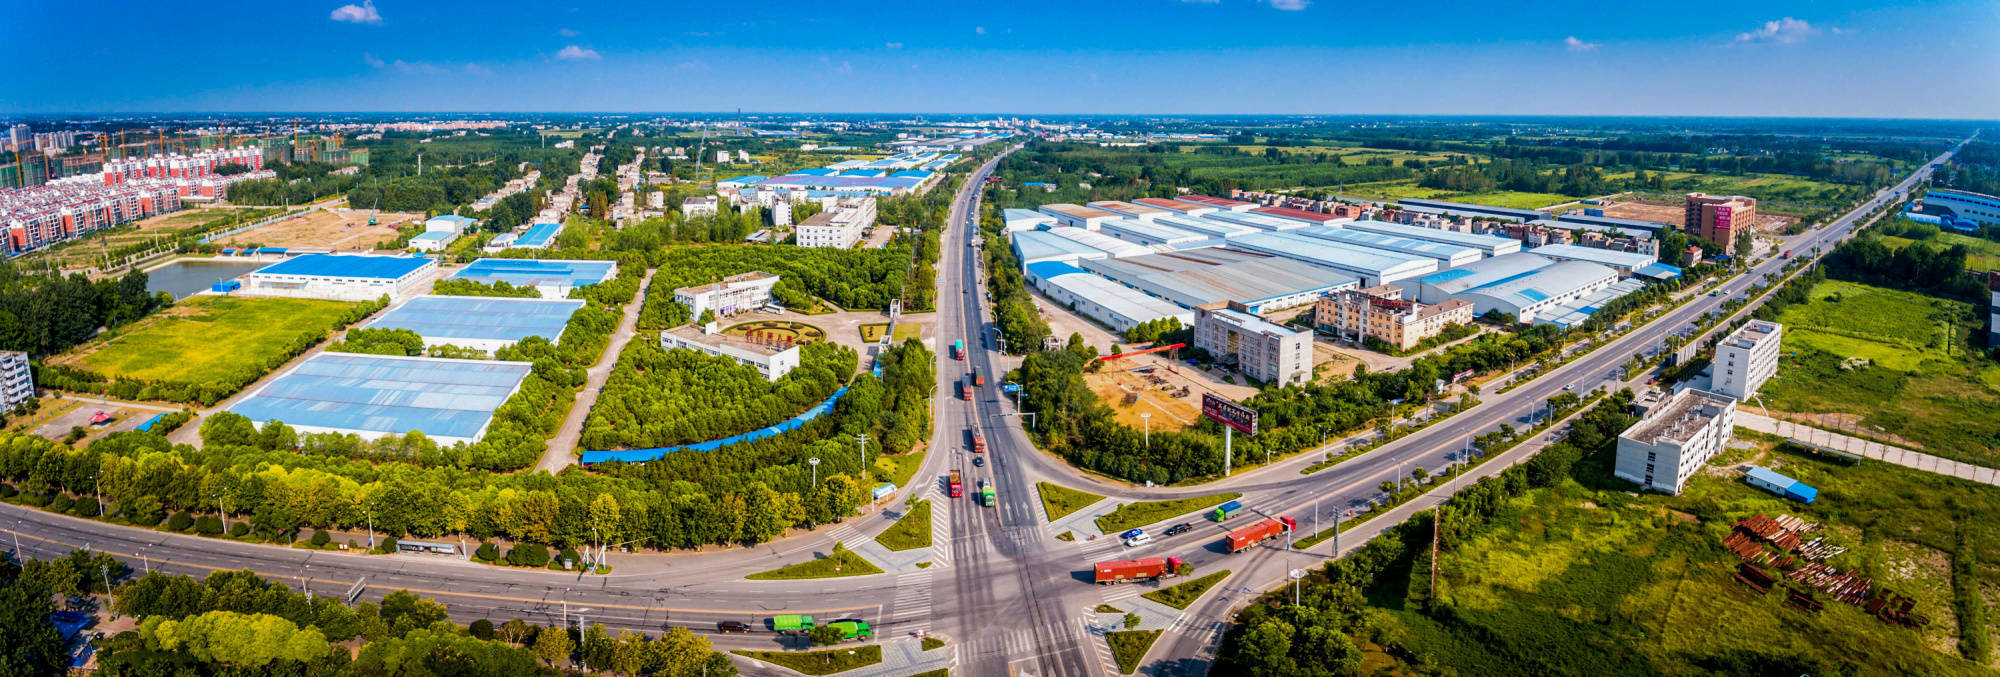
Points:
(1254, 346)
(840, 226)
(1671, 443)
(772, 359)
(17, 381)
(730, 295)
(1746, 358)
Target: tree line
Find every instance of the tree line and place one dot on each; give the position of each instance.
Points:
(48, 314)
(850, 278)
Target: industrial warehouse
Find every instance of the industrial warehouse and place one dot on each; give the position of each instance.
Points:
(374, 396)
(341, 277)
(554, 278)
(480, 322)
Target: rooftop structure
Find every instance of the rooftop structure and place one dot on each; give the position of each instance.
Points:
(539, 236)
(1116, 306)
(1205, 226)
(1300, 215)
(555, 278)
(1439, 286)
(1220, 203)
(1265, 222)
(480, 322)
(1078, 217)
(1746, 358)
(1035, 246)
(1204, 276)
(1179, 206)
(1130, 210)
(1115, 247)
(432, 240)
(1150, 233)
(373, 396)
(1674, 439)
(450, 222)
(1447, 255)
(1573, 313)
(771, 358)
(1257, 348)
(1964, 205)
(1489, 245)
(1626, 263)
(341, 277)
(1373, 266)
(1025, 219)
(1634, 227)
(1524, 295)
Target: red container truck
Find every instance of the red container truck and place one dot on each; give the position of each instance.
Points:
(978, 443)
(1247, 537)
(957, 485)
(1127, 570)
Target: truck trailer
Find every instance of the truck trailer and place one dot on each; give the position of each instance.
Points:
(1248, 537)
(1225, 511)
(1128, 570)
(791, 624)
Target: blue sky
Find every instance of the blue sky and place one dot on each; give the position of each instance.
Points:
(1832, 58)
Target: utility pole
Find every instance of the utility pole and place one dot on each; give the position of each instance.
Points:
(1148, 419)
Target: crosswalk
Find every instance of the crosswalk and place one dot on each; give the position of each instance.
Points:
(845, 533)
(912, 605)
(1117, 593)
(940, 530)
(1101, 546)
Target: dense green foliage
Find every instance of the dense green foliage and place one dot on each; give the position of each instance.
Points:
(44, 314)
(658, 397)
(368, 341)
(850, 278)
(451, 287)
(29, 643)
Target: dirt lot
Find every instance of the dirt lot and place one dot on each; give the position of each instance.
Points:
(1131, 393)
(59, 414)
(338, 228)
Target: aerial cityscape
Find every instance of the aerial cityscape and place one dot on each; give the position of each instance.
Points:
(696, 340)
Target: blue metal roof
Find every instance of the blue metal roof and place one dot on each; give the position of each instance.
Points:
(480, 317)
(1445, 276)
(1771, 477)
(1048, 269)
(532, 272)
(386, 394)
(1534, 294)
(347, 265)
(538, 235)
(817, 171)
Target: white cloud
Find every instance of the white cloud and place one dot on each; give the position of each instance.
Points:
(567, 32)
(372, 61)
(1289, 5)
(893, 45)
(416, 68)
(979, 29)
(575, 53)
(1783, 31)
(691, 65)
(363, 13)
(476, 69)
(1571, 43)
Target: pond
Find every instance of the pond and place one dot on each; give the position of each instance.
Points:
(187, 276)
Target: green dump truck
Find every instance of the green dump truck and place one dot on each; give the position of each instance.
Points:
(852, 630)
(791, 624)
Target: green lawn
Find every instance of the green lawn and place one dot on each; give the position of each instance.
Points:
(1184, 594)
(1928, 380)
(910, 532)
(899, 468)
(208, 339)
(1128, 646)
(1058, 501)
(842, 563)
(1147, 512)
(1587, 579)
(1985, 253)
(824, 662)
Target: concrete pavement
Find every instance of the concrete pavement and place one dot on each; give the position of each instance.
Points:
(1809, 435)
(561, 452)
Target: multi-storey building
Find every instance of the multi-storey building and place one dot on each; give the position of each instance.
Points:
(1746, 358)
(17, 382)
(733, 294)
(1718, 218)
(771, 358)
(1261, 350)
(1381, 313)
(1674, 439)
(840, 225)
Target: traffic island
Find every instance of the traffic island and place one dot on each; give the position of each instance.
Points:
(824, 662)
(1148, 512)
(1184, 594)
(1058, 501)
(840, 564)
(1128, 647)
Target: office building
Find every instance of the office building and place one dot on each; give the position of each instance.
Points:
(1251, 345)
(1746, 358)
(840, 225)
(772, 358)
(734, 294)
(704, 205)
(1718, 218)
(1381, 313)
(341, 277)
(17, 381)
(1674, 439)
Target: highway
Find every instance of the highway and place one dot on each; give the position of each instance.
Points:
(1009, 596)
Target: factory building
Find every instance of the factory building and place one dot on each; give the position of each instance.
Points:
(1036, 246)
(1718, 218)
(1626, 263)
(432, 240)
(1177, 206)
(480, 322)
(450, 223)
(1076, 216)
(17, 381)
(1674, 439)
(734, 294)
(1264, 222)
(1112, 246)
(374, 396)
(554, 278)
(840, 226)
(1382, 314)
(1129, 210)
(1747, 358)
(1017, 220)
(1150, 233)
(1309, 218)
(1630, 227)
(1525, 295)
(1373, 266)
(1964, 205)
(1442, 285)
(772, 359)
(538, 236)
(1447, 255)
(1110, 303)
(1219, 203)
(1489, 245)
(341, 277)
(1203, 226)
(1573, 313)
(1192, 278)
(1251, 345)
(1474, 210)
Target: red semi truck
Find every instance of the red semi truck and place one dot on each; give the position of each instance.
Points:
(1247, 537)
(1127, 570)
(978, 443)
(957, 485)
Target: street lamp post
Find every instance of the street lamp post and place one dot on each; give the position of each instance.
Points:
(814, 462)
(1147, 417)
(861, 446)
(1297, 575)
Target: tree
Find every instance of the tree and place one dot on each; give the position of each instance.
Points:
(29, 644)
(1131, 620)
(1744, 244)
(553, 646)
(228, 428)
(825, 635)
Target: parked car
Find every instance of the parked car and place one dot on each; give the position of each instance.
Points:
(1178, 529)
(1138, 540)
(732, 626)
(1130, 533)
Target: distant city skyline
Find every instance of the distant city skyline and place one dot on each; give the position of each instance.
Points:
(1841, 58)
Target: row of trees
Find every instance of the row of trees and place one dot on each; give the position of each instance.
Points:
(47, 314)
(850, 278)
(658, 397)
(455, 287)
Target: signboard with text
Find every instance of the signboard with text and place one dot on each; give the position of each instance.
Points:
(1239, 417)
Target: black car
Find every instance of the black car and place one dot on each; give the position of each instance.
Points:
(979, 461)
(732, 626)
(1177, 529)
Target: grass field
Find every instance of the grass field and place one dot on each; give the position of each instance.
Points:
(900, 468)
(1147, 512)
(910, 532)
(1773, 187)
(841, 564)
(1128, 646)
(1058, 501)
(1587, 579)
(1929, 380)
(206, 338)
(824, 662)
(1396, 190)
(871, 333)
(1985, 253)
(1184, 594)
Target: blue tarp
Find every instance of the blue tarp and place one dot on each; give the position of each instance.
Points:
(148, 425)
(791, 424)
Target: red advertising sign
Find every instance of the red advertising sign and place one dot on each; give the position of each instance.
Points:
(1243, 419)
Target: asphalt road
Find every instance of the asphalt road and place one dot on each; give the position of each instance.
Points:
(1011, 597)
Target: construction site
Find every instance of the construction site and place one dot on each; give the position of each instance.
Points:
(1665, 210)
(1135, 384)
(338, 228)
